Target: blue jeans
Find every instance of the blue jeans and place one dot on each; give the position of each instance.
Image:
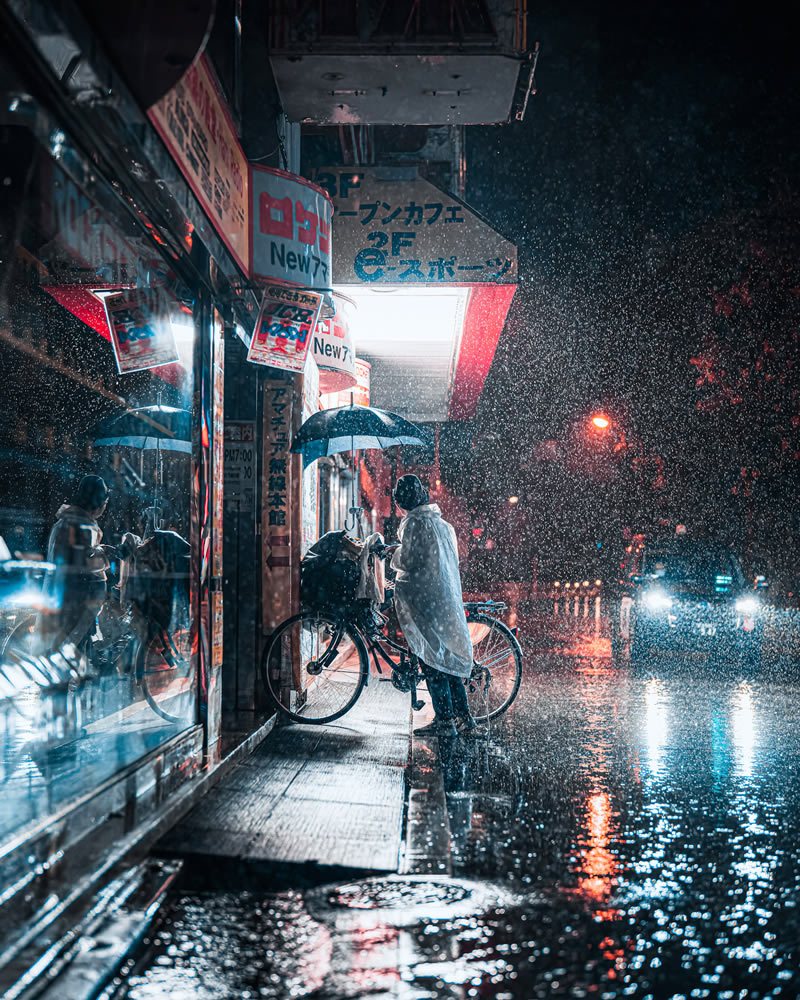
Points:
(448, 695)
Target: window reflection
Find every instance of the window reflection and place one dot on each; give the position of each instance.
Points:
(97, 638)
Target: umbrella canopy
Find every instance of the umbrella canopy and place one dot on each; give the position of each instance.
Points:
(353, 428)
(148, 428)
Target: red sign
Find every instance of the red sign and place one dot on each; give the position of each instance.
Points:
(284, 326)
(138, 321)
(290, 229)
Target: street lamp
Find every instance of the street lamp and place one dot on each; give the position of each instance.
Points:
(601, 421)
(513, 499)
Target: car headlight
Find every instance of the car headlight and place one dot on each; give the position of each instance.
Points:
(656, 599)
(748, 605)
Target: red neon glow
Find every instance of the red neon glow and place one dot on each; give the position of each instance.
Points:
(483, 325)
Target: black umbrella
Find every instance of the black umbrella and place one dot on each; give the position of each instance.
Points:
(148, 428)
(353, 428)
(156, 428)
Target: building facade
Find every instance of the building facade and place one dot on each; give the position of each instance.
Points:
(152, 515)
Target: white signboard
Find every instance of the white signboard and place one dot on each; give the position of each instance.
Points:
(240, 463)
(402, 229)
(333, 349)
(290, 229)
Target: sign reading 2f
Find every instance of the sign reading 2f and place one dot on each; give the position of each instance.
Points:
(290, 229)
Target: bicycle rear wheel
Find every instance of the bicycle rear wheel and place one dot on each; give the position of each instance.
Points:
(497, 667)
(329, 663)
(164, 667)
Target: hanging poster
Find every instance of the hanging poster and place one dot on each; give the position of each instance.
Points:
(284, 327)
(141, 334)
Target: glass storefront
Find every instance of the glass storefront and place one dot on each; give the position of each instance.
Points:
(99, 631)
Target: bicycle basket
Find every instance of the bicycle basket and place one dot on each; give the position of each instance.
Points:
(328, 579)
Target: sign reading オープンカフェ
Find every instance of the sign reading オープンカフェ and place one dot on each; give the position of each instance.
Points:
(194, 122)
(394, 227)
(290, 229)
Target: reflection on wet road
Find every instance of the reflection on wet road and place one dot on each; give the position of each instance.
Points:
(620, 834)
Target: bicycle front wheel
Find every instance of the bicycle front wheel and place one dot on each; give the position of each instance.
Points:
(314, 668)
(497, 667)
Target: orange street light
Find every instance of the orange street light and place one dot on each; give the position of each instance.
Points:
(601, 421)
(513, 499)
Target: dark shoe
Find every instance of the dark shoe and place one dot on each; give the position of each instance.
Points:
(439, 727)
(467, 726)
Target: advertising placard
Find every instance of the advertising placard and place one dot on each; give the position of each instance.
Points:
(333, 348)
(290, 229)
(240, 463)
(398, 230)
(138, 321)
(196, 127)
(284, 326)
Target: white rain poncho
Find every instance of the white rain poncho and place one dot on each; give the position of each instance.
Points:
(427, 593)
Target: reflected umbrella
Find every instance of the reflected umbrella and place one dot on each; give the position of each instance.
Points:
(156, 428)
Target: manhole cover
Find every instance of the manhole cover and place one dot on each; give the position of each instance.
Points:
(397, 894)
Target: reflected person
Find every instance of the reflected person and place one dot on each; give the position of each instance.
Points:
(77, 588)
(430, 607)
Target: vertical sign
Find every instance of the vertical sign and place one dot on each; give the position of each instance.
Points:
(219, 444)
(240, 463)
(276, 505)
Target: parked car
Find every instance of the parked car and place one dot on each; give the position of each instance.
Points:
(686, 596)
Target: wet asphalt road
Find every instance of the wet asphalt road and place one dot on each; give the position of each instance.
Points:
(620, 834)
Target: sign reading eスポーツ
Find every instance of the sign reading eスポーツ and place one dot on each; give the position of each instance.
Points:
(284, 327)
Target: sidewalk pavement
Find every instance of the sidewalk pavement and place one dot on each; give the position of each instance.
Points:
(316, 802)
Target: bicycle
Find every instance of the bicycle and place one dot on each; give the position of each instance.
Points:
(329, 652)
(160, 660)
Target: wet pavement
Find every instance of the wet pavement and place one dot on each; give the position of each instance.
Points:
(621, 833)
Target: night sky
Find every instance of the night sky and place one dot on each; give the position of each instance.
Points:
(649, 122)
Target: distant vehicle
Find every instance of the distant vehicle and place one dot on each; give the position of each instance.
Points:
(686, 596)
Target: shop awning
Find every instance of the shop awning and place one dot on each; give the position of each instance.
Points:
(430, 347)
(432, 283)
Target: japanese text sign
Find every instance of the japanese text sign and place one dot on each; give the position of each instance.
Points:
(284, 326)
(407, 231)
(290, 229)
(333, 348)
(194, 122)
(138, 321)
(277, 496)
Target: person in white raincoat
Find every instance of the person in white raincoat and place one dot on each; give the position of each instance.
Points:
(429, 605)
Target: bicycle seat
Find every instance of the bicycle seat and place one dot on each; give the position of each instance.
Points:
(487, 605)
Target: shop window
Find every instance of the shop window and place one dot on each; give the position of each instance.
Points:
(97, 637)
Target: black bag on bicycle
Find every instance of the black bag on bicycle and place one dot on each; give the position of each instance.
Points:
(329, 576)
